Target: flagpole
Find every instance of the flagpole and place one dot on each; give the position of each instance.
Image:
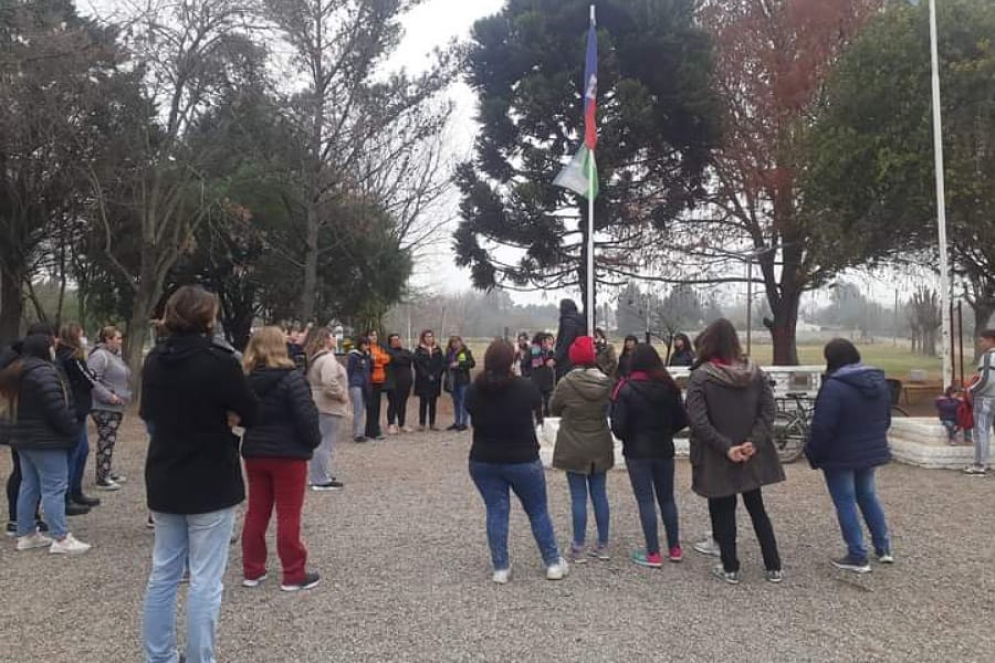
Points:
(941, 205)
(590, 228)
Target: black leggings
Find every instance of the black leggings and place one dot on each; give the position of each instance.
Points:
(373, 412)
(723, 513)
(397, 406)
(426, 409)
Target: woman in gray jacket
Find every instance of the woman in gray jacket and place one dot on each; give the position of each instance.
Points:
(731, 409)
(111, 395)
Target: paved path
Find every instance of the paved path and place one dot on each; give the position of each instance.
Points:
(405, 564)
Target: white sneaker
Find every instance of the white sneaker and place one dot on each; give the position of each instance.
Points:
(108, 485)
(69, 546)
(558, 570)
(708, 547)
(502, 576)
(32, 541)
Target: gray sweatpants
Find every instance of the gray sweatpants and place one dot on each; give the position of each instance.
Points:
(321, 462)
(984, 417)
(358, 412)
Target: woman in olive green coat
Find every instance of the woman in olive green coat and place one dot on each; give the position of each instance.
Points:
(584, 444)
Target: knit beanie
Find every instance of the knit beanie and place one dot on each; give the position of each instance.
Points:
(582, 352)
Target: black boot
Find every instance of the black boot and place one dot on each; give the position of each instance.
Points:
(73, 509)
(85, 500)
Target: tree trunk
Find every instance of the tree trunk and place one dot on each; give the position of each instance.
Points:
(310, 291)
(783, 329)
(11, 307)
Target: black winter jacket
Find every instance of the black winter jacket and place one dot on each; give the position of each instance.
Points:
(399, 371)
(45, 416)
(287, 423)
(429, 368)
(81, 380)
(645, 415)
(189, 385)
(572, 326)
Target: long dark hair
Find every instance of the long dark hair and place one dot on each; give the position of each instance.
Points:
(498, 360)
(647, 360)
(840, 352)
(625, 348)
(719, 341)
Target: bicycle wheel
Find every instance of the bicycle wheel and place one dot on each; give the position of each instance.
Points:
(898, 412)
(788, 437)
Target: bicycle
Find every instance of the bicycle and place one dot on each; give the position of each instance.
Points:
(791, 425)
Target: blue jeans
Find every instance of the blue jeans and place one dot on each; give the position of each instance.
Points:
(203, 539)
(598, 484)
(77, 461)
(851, 489)
(654, 477)
(528, 481)
(44, 477)
(459, 405)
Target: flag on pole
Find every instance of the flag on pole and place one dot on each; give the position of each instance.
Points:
(581, 174)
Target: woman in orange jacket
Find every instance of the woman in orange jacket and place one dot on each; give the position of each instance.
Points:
(378, 360)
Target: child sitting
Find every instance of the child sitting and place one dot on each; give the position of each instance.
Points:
(954, 412)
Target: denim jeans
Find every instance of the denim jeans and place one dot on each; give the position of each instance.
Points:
(984, 416)
(321, 462)
(851, 489)
(44, 477)
(579, 484)
(459, 405)
(653, 478)
(358, 397)
(204, 540)
(77, 461)
(528, 481)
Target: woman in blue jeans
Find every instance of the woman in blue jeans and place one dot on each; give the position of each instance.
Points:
(193, 392)
(646, 413)
(584, 446)
(848, 441)
(504, 458)
(459, 363)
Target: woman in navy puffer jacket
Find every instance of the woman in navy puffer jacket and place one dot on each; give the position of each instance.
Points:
(848, 441)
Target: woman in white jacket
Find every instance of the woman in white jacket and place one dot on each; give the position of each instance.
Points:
(330, 390)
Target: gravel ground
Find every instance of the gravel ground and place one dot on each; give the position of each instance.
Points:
(406, 577)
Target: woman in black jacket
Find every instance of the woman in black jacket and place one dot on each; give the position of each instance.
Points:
(646, 412)
(398, 385)
(430, 364)
(72, 358)
(193, 392)
(277, 450)
(625, 359)
(43, 431)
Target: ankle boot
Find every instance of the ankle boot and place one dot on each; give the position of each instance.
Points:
(85, 500)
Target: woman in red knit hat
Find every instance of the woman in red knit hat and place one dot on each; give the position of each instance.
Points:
(584, 445)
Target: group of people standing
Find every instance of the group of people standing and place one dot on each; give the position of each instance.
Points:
(729, 408)
(49, 384)
(394, 370)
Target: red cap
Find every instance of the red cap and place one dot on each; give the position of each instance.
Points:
(582, 352)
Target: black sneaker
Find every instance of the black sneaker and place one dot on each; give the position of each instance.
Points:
(462, 428)
(86, 500)
(731, 577)
(359, 439)
(73, 509)
(849, 564)
(11, 529)
(454, 427)
(311, 580)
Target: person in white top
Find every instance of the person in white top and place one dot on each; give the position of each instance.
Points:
(330, 390)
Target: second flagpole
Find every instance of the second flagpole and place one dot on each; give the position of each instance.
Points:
(592, 170)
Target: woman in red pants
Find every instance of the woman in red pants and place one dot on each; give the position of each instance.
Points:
(276, 451)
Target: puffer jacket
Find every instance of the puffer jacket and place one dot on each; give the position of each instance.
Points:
(82, 381)
(329, 384)
(852, 416)
(645, 415)
(399, 371)
(45, 417)
(726, 406)
(583, 444)
(378, 364)
(287, 423)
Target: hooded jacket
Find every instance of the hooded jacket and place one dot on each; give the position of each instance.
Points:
(726, 406)
(852, 416)
(329, 384)
(584, 443)
(572, 325)
(189, 385)
(44, 415)
(82, 381)
(287, 423)
(646, 414)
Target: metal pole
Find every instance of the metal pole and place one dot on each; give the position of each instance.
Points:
(590, 255)
(941, 206)
(749, 307)
(960, 337)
